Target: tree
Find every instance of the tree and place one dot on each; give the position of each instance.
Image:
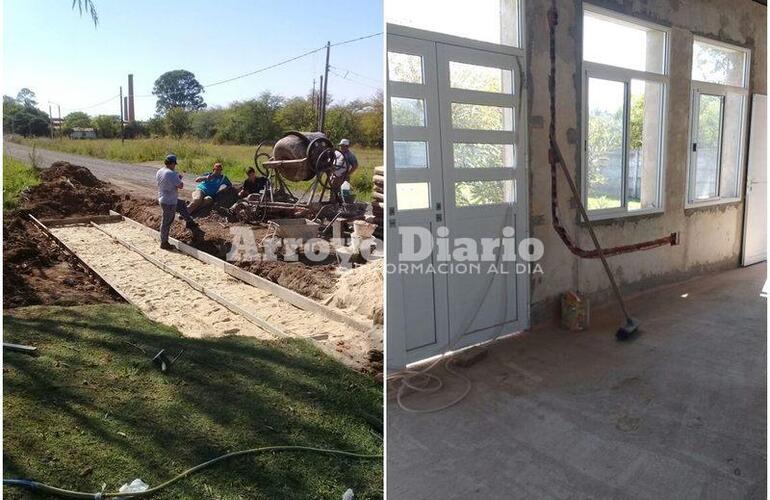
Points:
(88, 6)
(76, 119)
(340, 123)
(297, 113)
(27, 123)
(204, 124)
(107, 126)
(25, 120)
(26, 98)
(369, 116)
(155, 126)
(177, 122)
(251, 122)
(178, 89)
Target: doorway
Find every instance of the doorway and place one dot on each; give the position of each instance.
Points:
(457, 171)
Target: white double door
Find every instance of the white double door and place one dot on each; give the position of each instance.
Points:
(456, 167)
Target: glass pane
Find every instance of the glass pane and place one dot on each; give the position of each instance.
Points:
(412, 195)
(605, 143)
(478, 117)
(732, 145)
(494, 21)
(483, 155)
(407, 112)
(708, 139)
(410, 154)
(620, 43)
(717, 64)
(483, 193)
(483, 78)
(404, 68)
(644, 144)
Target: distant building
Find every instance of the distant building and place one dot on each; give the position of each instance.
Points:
(82, 133)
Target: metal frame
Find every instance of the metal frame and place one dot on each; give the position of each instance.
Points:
(695, 138)
(607, 72)
(398, 356)
(698, 87)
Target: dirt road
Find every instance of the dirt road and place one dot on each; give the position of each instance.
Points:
(134, 178)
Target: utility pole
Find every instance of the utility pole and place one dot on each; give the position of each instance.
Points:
(50, 120)
(51, 115)
(312, 99)
(122, 130)
(326, 84)
(318, 104)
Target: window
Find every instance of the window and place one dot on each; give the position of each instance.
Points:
(718, 122)
(625, 82)
(493, 21)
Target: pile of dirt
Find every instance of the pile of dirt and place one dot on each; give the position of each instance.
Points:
(67, 191)
(213, 237)
(75, 173)
(37, 272)
(316, 282)
(360, 289)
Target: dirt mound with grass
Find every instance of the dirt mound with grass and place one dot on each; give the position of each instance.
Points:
(67, 191)
(75, 173)
(36, 271)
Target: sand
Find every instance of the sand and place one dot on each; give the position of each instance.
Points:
(141, 279)
(160, 296)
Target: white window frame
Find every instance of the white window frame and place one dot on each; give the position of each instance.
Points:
(698, 87)
(606, 72)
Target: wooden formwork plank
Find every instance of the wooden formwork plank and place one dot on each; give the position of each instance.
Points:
(261, 322)
(88, 268)
(99, 219)
(289, 296)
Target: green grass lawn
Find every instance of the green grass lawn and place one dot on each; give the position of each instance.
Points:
(17, 176)
(92, 409)
(197, 156)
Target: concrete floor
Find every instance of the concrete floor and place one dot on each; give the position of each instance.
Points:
(678, 413)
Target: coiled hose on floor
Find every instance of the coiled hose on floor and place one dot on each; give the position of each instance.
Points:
(31, 485)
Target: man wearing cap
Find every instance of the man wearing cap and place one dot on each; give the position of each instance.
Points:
(169, 183)
(207, 188)
(345, 161)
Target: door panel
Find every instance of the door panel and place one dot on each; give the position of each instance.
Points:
(479, 96)
(456, 162)
(755, 218)
(416, 307)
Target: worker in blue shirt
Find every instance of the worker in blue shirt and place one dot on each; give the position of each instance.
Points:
(208, 186)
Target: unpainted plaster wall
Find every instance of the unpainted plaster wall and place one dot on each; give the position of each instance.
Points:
(710, 238)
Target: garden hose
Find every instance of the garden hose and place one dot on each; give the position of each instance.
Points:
(42, 487)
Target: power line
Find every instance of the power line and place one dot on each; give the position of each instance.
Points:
(344, 77)
(101, 103)
(375, 80)
(286, 61)
(260, 70)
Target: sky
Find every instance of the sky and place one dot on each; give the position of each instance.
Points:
(59, 55)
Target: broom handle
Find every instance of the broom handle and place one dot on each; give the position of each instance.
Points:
(584, 214)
